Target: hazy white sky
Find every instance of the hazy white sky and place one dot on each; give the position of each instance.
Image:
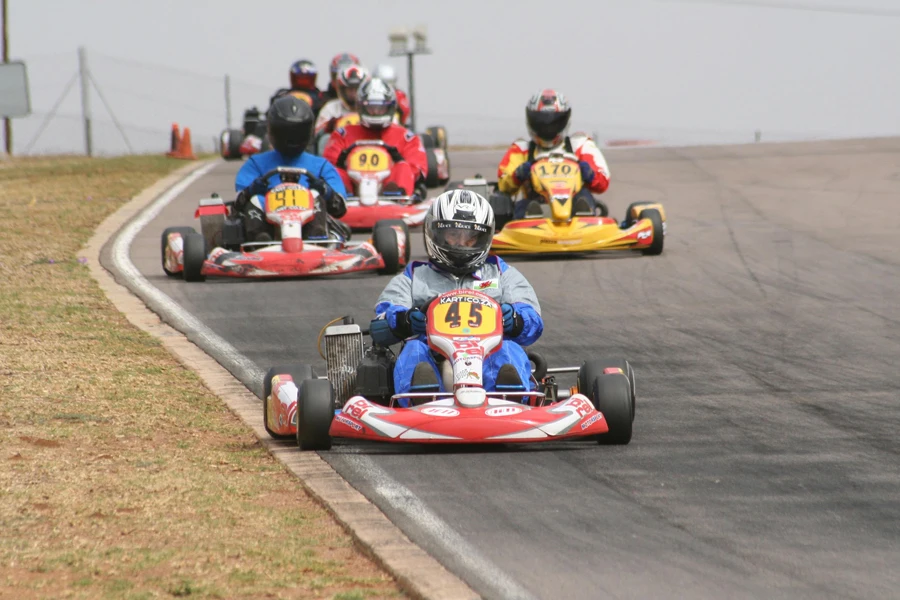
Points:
(660, 69)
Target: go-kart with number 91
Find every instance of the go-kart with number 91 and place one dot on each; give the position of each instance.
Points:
(464, 327)
(221, 250)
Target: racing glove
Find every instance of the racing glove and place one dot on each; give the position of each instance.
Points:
(321, 186)
(513, 324)
(395, 154)
(522, 172)
(587, 172)
(410, 322)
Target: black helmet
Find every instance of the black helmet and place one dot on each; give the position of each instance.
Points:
(290, 122)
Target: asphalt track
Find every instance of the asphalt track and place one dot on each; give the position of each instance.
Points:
(765, 342)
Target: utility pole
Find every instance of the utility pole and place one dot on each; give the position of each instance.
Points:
(228, 101)
(7, 122)
(84, 76)
(399, 39)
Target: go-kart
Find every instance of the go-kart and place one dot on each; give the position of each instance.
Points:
(368, 164)
(289, 207)
(556, 178)
(356, 399)
(234, 144)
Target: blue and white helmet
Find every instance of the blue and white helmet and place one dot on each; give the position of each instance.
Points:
(458, 231)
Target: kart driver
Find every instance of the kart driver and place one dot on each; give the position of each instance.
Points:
(458, 231)
(387, 74)
(347, 84)
(377, 105)
(303, 75)
(338, 62)
(547, 115)
(289, 126)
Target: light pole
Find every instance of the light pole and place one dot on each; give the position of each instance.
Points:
(400, 45)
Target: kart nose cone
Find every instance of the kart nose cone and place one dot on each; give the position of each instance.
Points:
(470, 397)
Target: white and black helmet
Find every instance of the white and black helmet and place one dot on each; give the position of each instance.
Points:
(458, 231)
(377, 103)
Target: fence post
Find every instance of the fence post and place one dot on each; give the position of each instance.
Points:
(85, 100)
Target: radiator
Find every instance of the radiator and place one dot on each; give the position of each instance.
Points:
(343, 352)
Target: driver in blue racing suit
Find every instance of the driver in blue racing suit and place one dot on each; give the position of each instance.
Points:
(458, 231)
(290, 124)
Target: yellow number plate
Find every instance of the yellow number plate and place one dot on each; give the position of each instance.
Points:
(288, 198)
(369, 159)
(464, 318)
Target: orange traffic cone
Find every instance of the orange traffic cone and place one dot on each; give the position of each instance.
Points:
(175, 141)
(185, 149)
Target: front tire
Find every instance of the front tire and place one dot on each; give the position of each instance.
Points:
(299, 374)
(194, 257)
(386, 243)
(315, 412)
(656, 247)
(392, 223)
(611, 395)
(591, 369)
(164, 241)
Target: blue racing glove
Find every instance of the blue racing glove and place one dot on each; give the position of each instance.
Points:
(522, 172)
(587, 172)
(416, 320)
(512, 322)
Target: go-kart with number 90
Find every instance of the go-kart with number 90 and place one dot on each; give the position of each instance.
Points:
(221, 250)
(556, 178)
(464, 327)
(368, 163)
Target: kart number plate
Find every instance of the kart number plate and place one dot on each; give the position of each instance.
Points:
(288, 198)
(465, 318)
(369, 159)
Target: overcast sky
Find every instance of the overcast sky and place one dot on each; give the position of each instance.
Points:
(669, 70)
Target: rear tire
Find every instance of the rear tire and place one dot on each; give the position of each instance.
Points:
(503, 210)
(315, 412)
(407, 252)
(431, 178)
(194, 256)
(656, 247)
(165, 240)
(299, 373)
(232, 150)
(439, 134)
(628, 220)
(384, 238)
(611, 395)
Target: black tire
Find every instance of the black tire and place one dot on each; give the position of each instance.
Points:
(232, 151)
(315, 412)
(299, 373)
(439, 134)
(427, 141)
(194, 255)
(628, 220)
(431, 178)
(656, 247)
(503, 209)
(611, 395)
(162, 245)
(402, 224)
(591, 369)
(384, 238)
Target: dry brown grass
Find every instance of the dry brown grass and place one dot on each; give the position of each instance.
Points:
(121, 475)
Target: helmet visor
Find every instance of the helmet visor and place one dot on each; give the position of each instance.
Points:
(461, 238)
(377, 109)
(548, 124)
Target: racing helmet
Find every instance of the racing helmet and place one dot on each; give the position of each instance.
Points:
(547, 114)
(290, 125)
(348, 82)
(340, 61)
(303, 74)
(458, 231)
(386, 73)
(376, 103)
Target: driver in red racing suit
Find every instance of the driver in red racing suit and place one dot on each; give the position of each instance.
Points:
(377, 104)
(547, 115)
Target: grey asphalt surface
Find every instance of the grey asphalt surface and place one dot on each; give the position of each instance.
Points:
(765, 342)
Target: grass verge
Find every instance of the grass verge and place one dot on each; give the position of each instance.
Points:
(121, 475)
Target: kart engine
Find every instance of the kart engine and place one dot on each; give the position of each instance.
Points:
(343, 352)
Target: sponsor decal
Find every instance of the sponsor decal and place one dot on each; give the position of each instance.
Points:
(503, 411)
(464, 298)
(488, 284)
(612, 370)
(357, 409)
(643, 235)
(591, 421)
(581, 405)
(548, 241)
(348, 422)
(440, 411)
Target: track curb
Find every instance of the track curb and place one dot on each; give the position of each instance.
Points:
(417, 572)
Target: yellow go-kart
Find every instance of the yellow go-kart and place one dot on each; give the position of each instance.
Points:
(556, 179)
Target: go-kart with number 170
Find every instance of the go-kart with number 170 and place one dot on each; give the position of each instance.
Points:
(368, 164)
(464, 327)
(221, 250)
